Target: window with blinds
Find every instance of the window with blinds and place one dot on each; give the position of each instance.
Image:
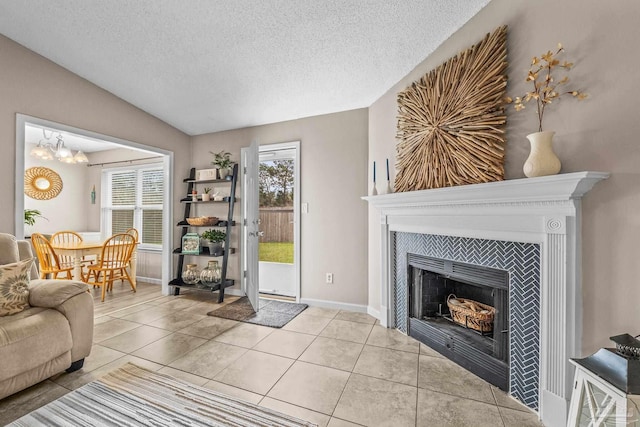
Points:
(134, 199)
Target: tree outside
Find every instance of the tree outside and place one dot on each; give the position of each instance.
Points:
(276, 194)
(276, 183)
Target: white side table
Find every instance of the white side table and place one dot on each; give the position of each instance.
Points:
(597, 403)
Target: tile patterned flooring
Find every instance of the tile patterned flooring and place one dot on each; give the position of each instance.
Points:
(331, 367)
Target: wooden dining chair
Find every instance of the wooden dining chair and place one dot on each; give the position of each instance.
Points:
(48, 259)
(112, 265)
(68, 238)
(134, 233)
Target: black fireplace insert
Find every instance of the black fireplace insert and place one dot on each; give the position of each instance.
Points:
(483, 351)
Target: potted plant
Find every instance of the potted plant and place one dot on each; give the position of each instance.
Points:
(215, 241)
(31, 215)
(222, 162)
(206, 196)
(546, 89)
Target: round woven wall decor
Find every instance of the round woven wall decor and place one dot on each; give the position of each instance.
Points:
(42, 183)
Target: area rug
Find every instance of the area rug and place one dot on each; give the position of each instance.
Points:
(271, 313)
(133, 396)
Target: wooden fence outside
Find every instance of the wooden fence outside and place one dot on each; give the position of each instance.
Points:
(277, 224)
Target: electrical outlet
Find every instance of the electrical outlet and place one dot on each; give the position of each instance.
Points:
(305, 208)
(329, 278)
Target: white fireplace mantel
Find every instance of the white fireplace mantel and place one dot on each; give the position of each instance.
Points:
(540, 191)
(543, 210)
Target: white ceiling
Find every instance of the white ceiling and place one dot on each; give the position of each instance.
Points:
(210, 65)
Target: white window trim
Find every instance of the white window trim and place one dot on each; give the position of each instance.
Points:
(105, 220)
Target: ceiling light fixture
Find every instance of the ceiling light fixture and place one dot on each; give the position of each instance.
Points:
(46, 150)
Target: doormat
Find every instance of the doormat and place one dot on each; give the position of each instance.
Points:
(270, 313)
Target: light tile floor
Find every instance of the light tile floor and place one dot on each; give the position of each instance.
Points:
(331, 367)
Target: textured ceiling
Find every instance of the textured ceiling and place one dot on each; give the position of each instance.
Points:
(207, 65)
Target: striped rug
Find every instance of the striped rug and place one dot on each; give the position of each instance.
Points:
(132, 396)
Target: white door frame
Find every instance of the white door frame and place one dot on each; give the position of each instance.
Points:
(295, 145)
(167, 203)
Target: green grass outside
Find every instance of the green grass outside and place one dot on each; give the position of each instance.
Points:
(276, 252)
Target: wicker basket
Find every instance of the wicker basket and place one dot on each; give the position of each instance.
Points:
(203, 220)
(465, 315)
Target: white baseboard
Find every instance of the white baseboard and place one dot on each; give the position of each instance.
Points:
(360, 308)
(373, 312)
(234, 292)
(149, 280)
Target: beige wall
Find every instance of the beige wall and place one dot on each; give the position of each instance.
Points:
(333, 151)
(33, 85)
(598, 134)
(56, 211)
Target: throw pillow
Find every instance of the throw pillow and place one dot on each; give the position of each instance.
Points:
(14, 287)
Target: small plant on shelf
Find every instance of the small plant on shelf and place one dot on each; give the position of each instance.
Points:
(221, 159)
(215, 239)
(206, 196)
(222, 162)
(215, 236)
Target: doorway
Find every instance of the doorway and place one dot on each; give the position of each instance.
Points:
(279, 220)
(77, 207)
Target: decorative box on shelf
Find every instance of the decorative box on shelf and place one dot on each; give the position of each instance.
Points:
(191, 243)
(206, 174)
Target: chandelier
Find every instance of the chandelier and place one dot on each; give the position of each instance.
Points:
(47, 150)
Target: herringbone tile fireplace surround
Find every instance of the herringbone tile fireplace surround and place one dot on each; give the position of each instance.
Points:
(527, 227)
(522, 261)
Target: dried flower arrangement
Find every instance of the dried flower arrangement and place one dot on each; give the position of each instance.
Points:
(545, 87)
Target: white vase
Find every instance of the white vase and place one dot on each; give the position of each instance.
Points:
(542, 160)
(223, 172)
(206, 197)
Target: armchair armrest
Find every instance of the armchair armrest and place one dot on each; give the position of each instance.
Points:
(70, 298)
(52, 293)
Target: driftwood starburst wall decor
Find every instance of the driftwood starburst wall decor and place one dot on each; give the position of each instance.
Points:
(451, 121)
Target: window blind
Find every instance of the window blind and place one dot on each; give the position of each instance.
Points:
(136, 197)
(121, 221)
(123, 188)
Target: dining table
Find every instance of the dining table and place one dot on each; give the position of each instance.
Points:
(77, 251)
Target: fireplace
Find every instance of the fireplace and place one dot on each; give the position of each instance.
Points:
(518, 225)
(474, 339)
(514, 269)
